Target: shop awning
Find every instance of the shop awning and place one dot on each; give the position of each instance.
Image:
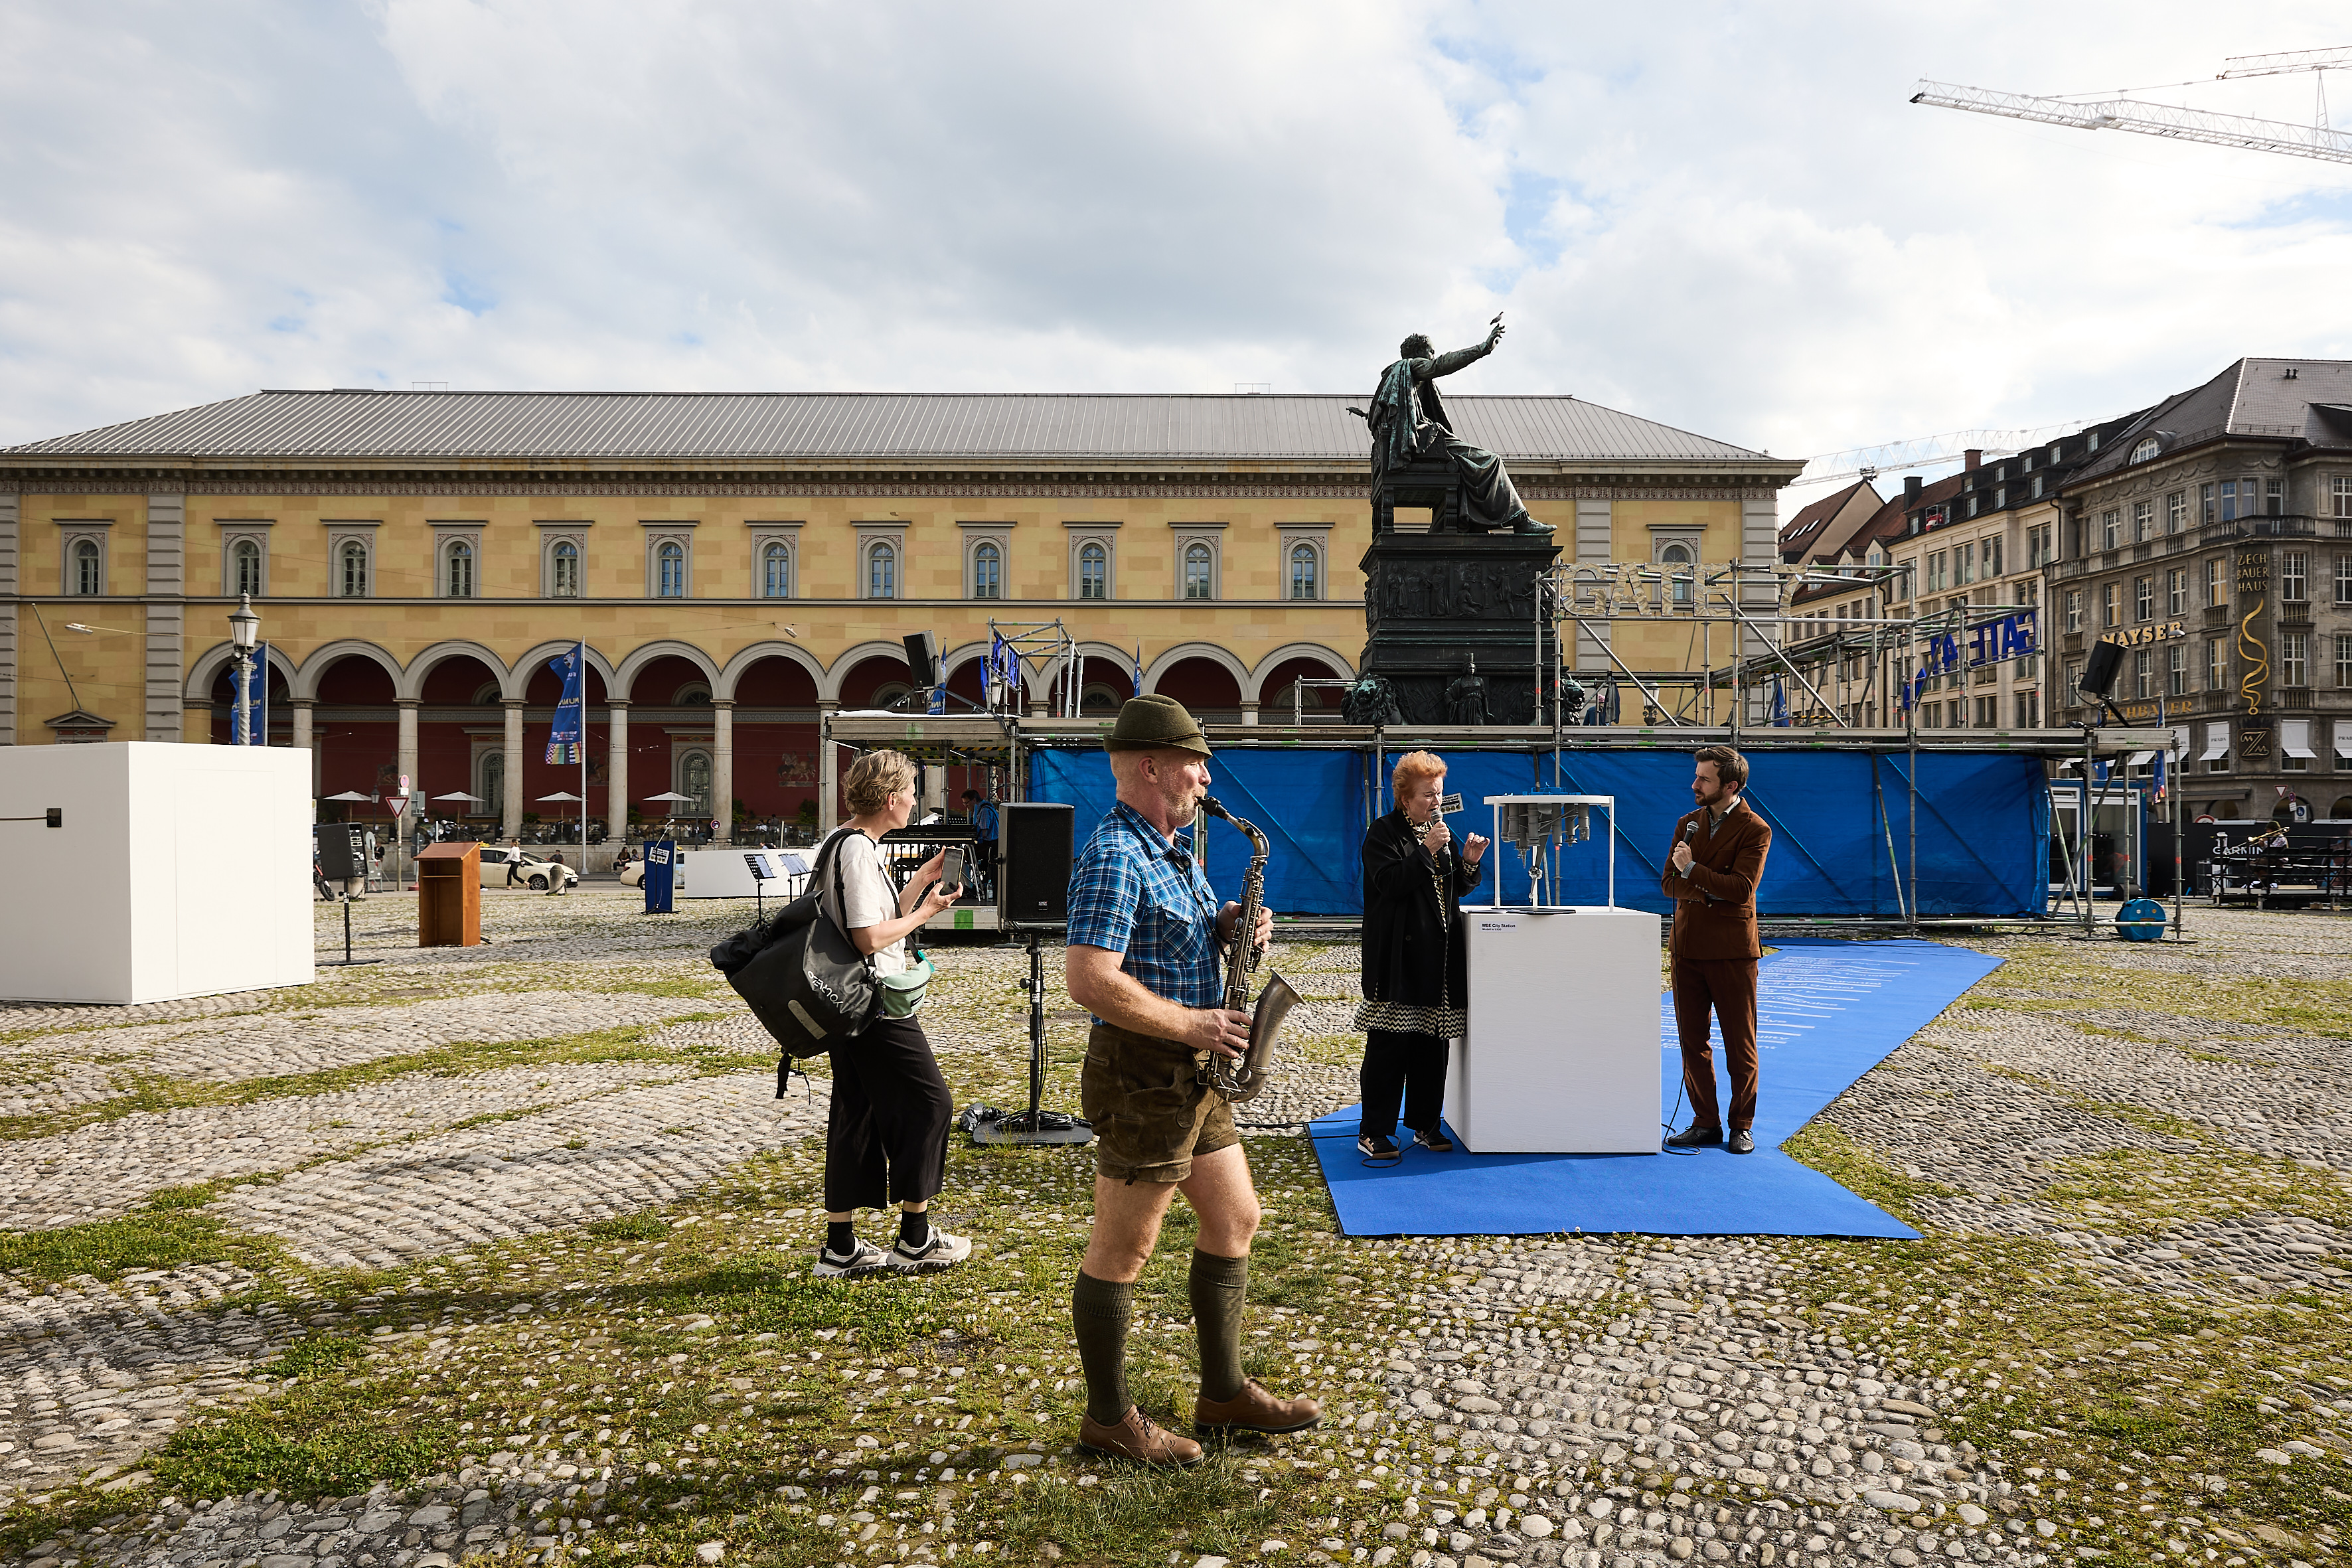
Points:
(2217, 742)
(2294, 737)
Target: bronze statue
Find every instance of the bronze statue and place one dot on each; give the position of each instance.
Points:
(1409, 426)
(1465, 698)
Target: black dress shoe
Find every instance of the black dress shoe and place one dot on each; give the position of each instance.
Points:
(1741, 1144)
(1695, 1137)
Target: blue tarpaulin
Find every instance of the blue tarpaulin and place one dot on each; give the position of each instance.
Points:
(1841, 824)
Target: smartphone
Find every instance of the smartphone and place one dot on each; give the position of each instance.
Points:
(951, 869)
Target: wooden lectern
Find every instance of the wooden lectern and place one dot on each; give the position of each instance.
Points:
(449, 896)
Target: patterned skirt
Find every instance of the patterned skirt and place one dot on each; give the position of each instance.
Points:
(1403, 1018)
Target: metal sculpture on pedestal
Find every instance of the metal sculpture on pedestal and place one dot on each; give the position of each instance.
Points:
(1450, 614)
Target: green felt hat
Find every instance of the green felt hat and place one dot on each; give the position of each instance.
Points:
(1151, 723)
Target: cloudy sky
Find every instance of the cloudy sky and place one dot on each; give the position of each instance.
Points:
(1731, 221)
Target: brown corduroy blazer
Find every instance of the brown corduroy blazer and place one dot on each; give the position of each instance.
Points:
(1715, 906)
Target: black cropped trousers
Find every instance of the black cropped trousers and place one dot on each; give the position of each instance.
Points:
(885, 1138)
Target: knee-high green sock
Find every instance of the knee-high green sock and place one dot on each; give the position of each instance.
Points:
(1098, 1312)
(1218, 1286)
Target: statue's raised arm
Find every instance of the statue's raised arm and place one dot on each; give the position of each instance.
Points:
(1409, 426)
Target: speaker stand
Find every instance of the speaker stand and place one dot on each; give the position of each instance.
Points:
(1033, 1125)
(347, 961)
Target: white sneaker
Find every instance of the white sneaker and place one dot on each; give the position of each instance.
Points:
(943, 1251)
(863, 1258)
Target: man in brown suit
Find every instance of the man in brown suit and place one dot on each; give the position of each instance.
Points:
(1711, 874)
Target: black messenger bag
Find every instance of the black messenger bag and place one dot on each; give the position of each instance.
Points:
(801, 974)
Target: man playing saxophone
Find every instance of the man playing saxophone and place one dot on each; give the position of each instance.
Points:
(1145, 942)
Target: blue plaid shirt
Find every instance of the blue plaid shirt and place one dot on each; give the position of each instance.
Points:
(1133, 892)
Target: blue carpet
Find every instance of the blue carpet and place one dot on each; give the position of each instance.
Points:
(1828, 1013)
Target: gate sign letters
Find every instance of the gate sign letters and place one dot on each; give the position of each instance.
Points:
(2014, 635)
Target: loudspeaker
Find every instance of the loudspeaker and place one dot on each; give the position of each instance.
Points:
(1033, 876)
(339, 851)
(923, 660)
(2099, 669)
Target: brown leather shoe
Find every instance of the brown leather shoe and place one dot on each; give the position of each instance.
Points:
(1137, 1437)
(1255, 1410)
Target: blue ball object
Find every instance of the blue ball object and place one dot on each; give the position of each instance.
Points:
(2141, 920)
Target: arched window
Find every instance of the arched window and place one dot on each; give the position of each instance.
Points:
(670, 560)
(351, 576)
(2147, 449)
(694, 779)
(461, 570)
(776, 572)
(1197, 572)
(245, 557)
(1676, 560)
(566, 573)
(882, 573)
(987, 572)
(87, 578)
(1094, 573)
(1303, 572)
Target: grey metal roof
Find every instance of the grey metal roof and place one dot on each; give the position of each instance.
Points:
(2289, 398)
(816, 426)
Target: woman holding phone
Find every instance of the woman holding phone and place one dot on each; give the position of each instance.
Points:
(1416, 964)
(886, 1136)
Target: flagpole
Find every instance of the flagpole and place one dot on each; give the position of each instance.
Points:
(584, 754)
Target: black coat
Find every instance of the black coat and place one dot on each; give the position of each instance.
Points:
(1414, 950)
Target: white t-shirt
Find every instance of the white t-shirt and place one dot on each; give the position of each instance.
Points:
(868, 896)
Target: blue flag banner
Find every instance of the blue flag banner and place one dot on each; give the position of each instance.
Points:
(250, 710)
(564, 741)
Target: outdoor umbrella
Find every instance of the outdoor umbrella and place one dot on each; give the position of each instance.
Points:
(669, 795)
(351, 794)
(561, 795)
(461, 794)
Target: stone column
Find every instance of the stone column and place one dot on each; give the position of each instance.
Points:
(1249, 711)
(406, 766)
(616, 771)
(196, 723)
(511, 826)
(828, 771)
(722, 771)
(303, 742)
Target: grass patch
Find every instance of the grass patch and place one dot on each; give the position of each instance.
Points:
(1133, 1518)
(166, 1233)
(2146, 1190)
(146, 1092)
(1829, 1149)
(316, 1440)
(645, 1226)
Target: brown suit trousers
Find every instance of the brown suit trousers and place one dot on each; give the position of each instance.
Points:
(1727, 988)
(1713, 948)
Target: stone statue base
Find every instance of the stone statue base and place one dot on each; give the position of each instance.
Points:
(1434, 604)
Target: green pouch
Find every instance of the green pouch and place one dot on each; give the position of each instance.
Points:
(902, 993)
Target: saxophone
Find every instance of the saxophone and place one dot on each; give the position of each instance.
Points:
(1240, 1080)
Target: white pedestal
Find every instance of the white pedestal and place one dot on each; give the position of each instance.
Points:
(180, 871)
(1562, 1054)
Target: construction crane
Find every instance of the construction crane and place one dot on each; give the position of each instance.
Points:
(2179, 123)
(1924, 452)
(2317, 61)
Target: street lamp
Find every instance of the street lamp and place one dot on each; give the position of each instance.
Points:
(244, 634)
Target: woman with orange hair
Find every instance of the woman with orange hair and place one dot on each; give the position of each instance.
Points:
(1416, 966)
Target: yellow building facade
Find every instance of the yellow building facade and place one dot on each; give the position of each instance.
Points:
(738, 565)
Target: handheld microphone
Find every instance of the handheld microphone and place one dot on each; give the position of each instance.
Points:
(1690, 831)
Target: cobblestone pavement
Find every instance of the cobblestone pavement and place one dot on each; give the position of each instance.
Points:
(2177, 1128)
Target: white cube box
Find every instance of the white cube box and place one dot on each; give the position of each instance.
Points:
(177, 871)
(1562, 1056)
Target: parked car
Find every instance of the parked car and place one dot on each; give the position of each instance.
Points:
(538, 874)
(633, 875)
